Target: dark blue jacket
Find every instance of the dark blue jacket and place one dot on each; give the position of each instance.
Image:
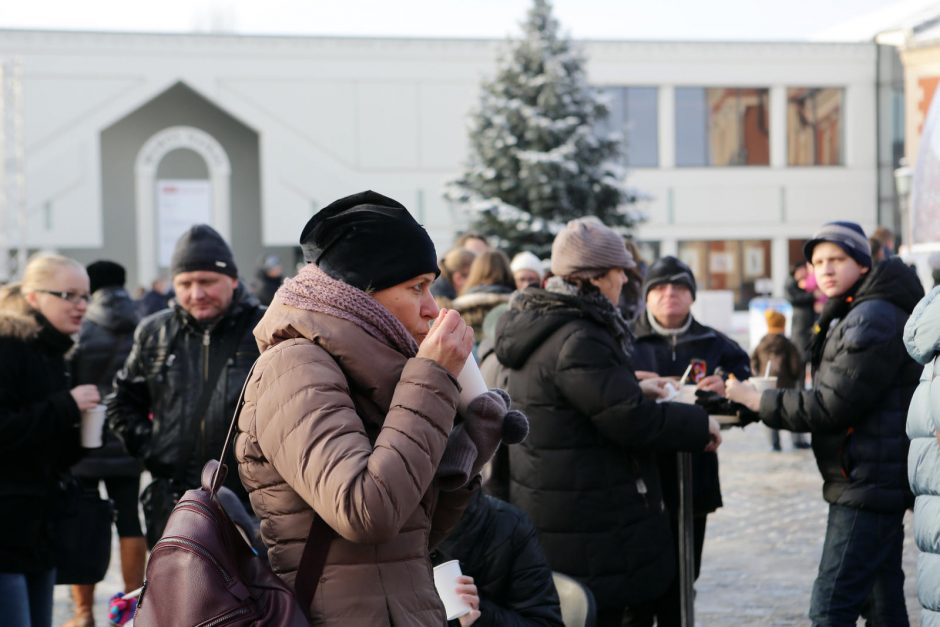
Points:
(862, 388)
(669, 357)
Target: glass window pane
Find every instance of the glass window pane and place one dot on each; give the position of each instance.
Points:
(734, 265)
(814, 126)
(641, 124)
(691, 127)
(738, 131)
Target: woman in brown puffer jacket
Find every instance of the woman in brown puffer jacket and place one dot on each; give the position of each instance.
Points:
(346, 418)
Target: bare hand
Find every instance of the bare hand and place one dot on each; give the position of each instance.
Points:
(712, 383)
(744, 393)
(467, 591)
(656, 387)
(645, 374)
(86, 396)
(448, 342)
(714, 435)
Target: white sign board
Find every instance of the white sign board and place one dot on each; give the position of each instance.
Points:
(181, 203)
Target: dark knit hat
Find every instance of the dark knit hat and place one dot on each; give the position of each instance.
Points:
(368, 241)
(846, 235)
(669, 270)
(202, 248)
(104, 273)
(587, 245)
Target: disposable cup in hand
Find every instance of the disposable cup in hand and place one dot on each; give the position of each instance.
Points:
(686, 394)
(764, 383)
(471, 382)
(92, 427)
(445, 580)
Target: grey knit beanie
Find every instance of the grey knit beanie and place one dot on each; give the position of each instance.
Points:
(848, 236)
(587, 245)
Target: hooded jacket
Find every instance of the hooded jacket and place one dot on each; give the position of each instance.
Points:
(39, 439)
(922, 338)
(587, 473)
(862, 388)
(339, 424)
(170, 357)
(104, 342)
(669, 357)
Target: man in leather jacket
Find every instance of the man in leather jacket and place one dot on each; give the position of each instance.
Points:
(173, 401)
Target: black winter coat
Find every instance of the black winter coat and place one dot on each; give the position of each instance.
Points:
(498, 546)
(103, 344)
(670, 357)
(39, 439)
(170, 358)
(587, 473)
(862, 388)
(803, 316)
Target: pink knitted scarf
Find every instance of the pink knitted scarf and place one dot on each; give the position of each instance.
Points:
(314, 290)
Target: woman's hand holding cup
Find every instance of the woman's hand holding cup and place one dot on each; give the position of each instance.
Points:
(467, 591)
(449, 341)
(86, 396)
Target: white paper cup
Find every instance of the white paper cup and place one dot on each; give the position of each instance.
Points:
(471, 382)
(445, 580)
(764, 383)
(92, 427)
(686, 394)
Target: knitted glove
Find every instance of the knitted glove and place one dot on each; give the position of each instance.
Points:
(473, 442)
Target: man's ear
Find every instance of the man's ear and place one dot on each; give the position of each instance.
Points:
(33, 299)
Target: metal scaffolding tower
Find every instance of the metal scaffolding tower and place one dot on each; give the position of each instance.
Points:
(13, 212)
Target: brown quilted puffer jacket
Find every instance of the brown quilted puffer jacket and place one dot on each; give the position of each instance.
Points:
(339, 421)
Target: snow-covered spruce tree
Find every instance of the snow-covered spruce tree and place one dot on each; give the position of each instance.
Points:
(536, 160)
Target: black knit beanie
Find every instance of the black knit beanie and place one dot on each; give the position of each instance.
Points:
(846, 235)
(669, 270)
(368, 241)
(202, 248)
(104, 273)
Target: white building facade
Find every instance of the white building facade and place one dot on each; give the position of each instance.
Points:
(742, 149)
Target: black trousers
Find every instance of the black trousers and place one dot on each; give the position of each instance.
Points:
(123, 491)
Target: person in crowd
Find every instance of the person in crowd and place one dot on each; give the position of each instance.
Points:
(785, 363)
(173, 400)
(885, 237)
(490, 283)
(498, 546)
(863, 380)
(526, 270)
(40, 413)
(802, 301)
(631, 297)
(922, 339)
(454, 269)
(669, 343)
(350, 416)
(157, 298)
(104, 342)
(587, 474)
(268, 278)
(474, 242)
(876, 250)
(933, 262)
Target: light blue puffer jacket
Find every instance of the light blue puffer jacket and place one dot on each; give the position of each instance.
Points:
(922, 338)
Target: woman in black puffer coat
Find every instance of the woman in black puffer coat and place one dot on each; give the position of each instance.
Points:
(587, 474)
(497, 545)
(39, 427)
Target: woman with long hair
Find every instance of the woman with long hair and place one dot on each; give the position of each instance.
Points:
(40, 414)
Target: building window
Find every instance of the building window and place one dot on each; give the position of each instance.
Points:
(733, 265)
(814, 126)
(722, 126)
(634, 115)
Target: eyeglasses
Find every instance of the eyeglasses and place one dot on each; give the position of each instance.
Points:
(73, 297)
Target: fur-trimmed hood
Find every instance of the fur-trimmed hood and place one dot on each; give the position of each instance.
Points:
(18, 326)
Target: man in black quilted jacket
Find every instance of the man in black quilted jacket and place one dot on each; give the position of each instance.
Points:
(863, 380)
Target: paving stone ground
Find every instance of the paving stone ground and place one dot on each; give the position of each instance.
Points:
(761, 550)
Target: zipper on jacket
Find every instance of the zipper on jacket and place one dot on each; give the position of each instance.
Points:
(641, 490)
(238, 611)
(198, 549)
(206, 338)
(675, 341)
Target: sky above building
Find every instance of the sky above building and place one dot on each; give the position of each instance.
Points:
(588, 19)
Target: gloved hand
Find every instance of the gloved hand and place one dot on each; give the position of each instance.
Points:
(718, 405)
(473, 442)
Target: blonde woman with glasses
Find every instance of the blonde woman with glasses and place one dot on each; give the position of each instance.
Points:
(39, 427)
